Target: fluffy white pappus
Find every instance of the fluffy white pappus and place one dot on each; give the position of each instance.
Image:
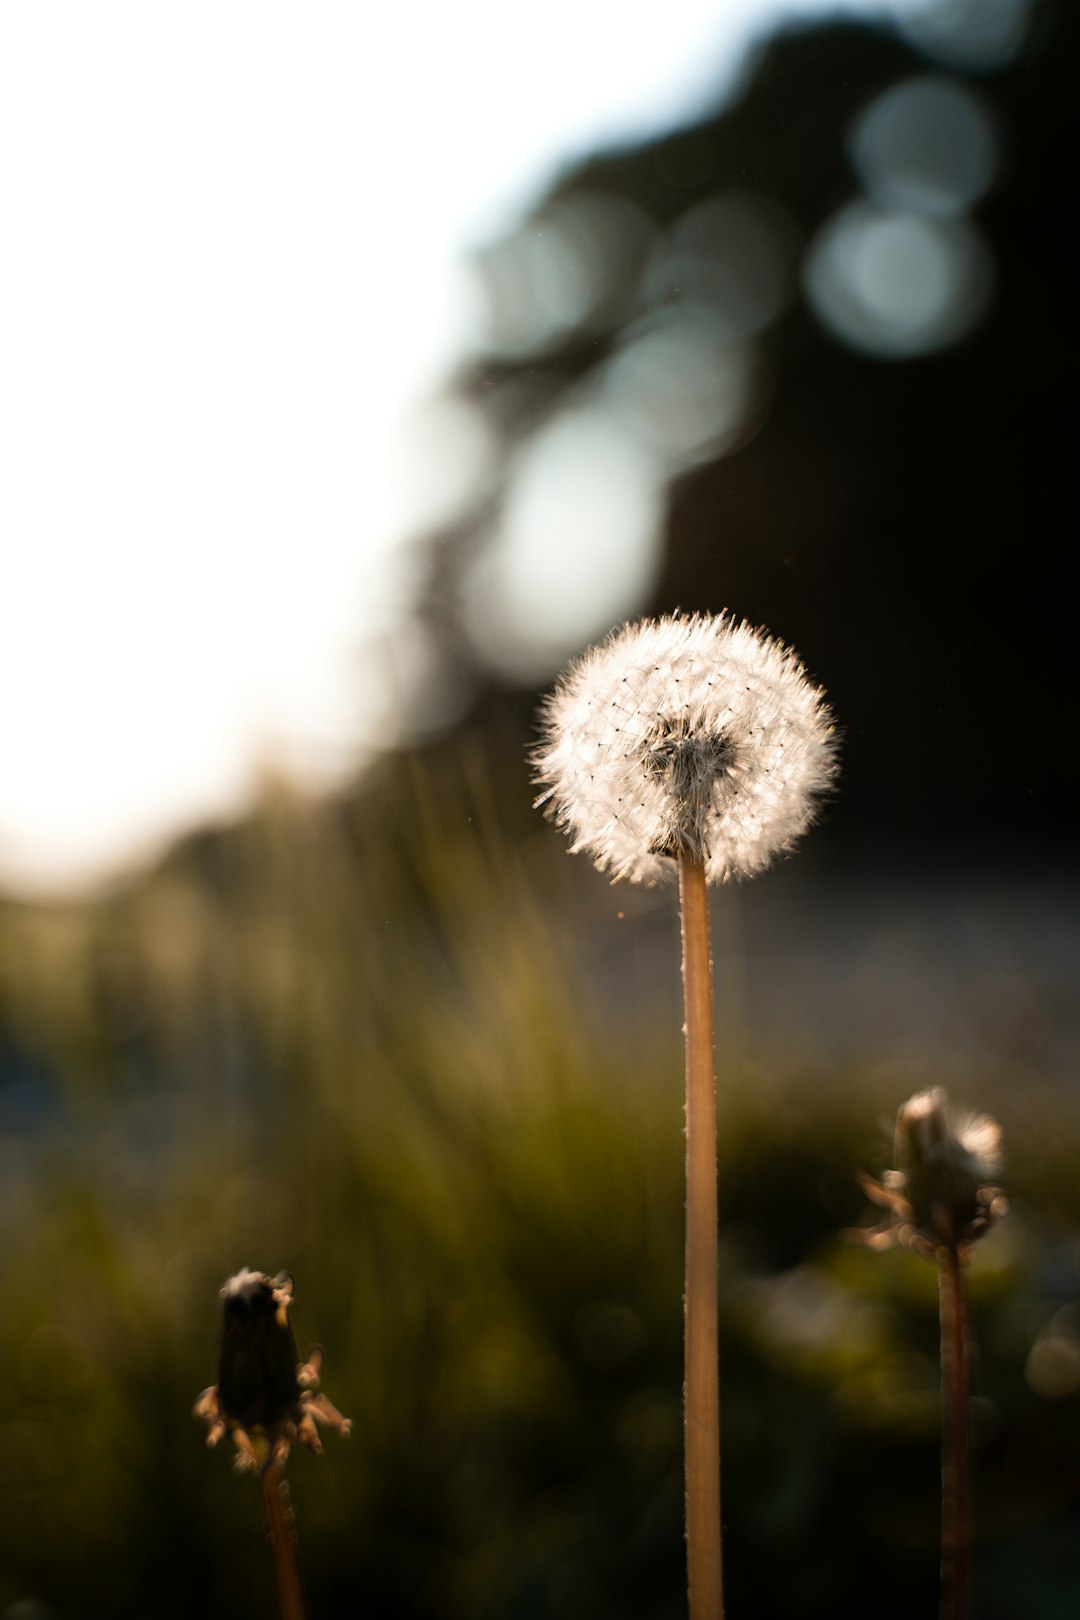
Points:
(980, 1138)
(685, 734)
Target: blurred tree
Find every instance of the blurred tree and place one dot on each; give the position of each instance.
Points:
(830, 319)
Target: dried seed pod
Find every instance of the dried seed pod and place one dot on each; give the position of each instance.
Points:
(264, 1399)
(942, 1191)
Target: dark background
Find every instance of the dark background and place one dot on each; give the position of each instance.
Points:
(398, 1044)
(902, 522)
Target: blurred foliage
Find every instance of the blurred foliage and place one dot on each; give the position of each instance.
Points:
(381, 1044)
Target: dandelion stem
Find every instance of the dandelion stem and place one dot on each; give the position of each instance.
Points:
(955, 1446)
(701, 1413)
(283, 1544)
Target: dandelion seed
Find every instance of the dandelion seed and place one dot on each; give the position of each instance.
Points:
(722, 750)
(693, 747)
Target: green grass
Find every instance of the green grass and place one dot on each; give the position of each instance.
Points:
(391, 1048)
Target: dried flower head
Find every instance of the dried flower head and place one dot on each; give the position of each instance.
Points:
(942, 1191)
(264, 1399)
(685, 735)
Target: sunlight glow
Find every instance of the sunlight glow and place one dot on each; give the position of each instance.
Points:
(233, 267)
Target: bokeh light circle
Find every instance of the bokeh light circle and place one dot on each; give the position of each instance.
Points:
(897, 285)
(927, 145)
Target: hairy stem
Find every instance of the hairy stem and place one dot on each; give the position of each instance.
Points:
(283, 1544)
(701, 1414)
(955, 1444)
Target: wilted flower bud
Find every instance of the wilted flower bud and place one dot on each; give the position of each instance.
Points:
(941, 1192)
(677, 736)
(264, 1398)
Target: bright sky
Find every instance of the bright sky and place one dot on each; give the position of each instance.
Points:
(234, 233)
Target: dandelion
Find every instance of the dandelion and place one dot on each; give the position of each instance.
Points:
(694, 736)
(266, 1400)
(941, 1197)
(693, 747)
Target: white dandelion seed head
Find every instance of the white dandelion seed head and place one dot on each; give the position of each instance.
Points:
(685, 734)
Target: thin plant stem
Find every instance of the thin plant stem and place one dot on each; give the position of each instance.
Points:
(955, 1443)
(283, 1544)
(701, 1412)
